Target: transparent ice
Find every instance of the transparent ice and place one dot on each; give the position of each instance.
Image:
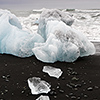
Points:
(52, 71)
(42, 97)
(38, 86)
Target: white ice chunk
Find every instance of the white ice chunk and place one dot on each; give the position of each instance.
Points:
(42, 97)
(52, 71)
(38, 86)
(63, 43)
(13, 40)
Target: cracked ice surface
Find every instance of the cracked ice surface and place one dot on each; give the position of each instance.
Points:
(54, 72)
(38, 86)
(43, 98)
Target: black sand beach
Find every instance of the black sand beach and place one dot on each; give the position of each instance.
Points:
(80, 80)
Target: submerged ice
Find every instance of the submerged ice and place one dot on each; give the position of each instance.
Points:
(38, 86)
(55, 41)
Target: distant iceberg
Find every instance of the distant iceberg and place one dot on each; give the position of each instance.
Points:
(55, 41)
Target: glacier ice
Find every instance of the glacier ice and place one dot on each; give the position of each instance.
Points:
(13, 40)
(53, 14)
(42, 97)
(62, 42)
(55, 41)
(38, 86)
(52, 71)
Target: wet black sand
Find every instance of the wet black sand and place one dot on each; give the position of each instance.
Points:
(80, 80)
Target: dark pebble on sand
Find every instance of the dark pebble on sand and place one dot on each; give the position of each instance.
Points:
(90, 89)
(73, 97)
(67, 96)
(53, 93)
(74, 73)
(63, 78)
(85, 96)
(69, 68)
(61, 91)
(55, 97)
(75, 79)
(70, 94)
(78, 98)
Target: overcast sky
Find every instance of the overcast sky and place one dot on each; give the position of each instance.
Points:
(37, 4)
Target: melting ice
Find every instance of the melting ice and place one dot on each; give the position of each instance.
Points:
(55, 41)
(43, 98)
(62, 42)
(38, 86)
(52, 71)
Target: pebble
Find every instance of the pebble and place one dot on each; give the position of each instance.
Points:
(55, 97)
(78, 98)
(44, 75)
(90, 89)
(6, 90)
(69, 86)
(73, 97)
(69, 68)
(53, 93)
(22, 92)
(75, 79)
(53, 88)
(74, 73)
(96, 87)
(22, 73)
(5, 64)
(67, 96)
(75, 89)
(70, 94)
(12, 93)
(61, 91)
(85, 96)
(58, 87)
(63, 78)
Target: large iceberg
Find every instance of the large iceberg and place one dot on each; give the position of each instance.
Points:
(55, 40)
(13, 40)
(62, 43)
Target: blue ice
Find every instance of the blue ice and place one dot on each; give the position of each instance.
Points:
(13, 40)
(55, 41)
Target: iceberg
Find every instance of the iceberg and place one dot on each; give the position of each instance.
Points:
(54, 41)
(38, 86)
(62, 42)
(52, 71)
(13, 40)
(53, 14)
(42, 97)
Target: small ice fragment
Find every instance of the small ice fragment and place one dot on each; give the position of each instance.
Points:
(54, 72)
(43, 98)
(38, 86)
